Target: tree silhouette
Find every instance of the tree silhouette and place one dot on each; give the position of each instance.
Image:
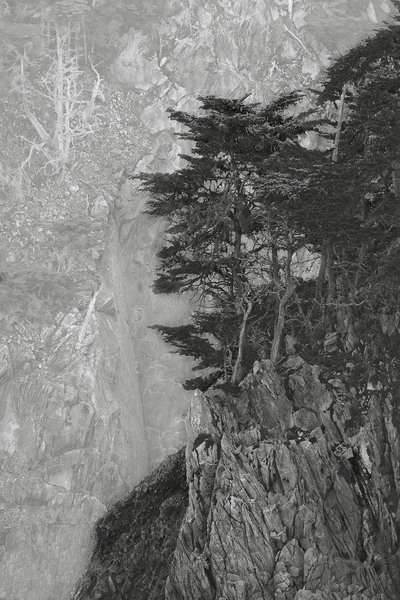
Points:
(251, 197)
(226, 227)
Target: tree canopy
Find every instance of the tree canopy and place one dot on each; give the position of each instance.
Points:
(223, 223)
(251, 200)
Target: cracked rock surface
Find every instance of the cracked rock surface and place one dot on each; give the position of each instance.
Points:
(285, 502)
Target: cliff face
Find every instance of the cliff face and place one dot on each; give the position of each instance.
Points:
(90, 398)
(291, 496)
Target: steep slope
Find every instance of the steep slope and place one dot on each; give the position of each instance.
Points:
(136, 539)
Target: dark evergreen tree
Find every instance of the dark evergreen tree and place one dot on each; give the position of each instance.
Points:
(352, 202)
(250, 197)
(223, 222)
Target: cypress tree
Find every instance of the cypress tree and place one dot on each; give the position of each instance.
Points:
(220, 226)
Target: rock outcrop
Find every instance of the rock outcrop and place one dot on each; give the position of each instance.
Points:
(291, 496)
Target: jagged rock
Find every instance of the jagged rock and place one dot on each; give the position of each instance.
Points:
(272, 517)
(267, 403)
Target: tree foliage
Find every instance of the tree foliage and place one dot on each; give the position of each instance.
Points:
(251, 199)
(223, 222)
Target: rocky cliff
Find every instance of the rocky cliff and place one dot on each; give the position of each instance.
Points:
(90, 398)
(293, 495)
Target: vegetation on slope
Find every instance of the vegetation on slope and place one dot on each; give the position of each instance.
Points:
(136, 539)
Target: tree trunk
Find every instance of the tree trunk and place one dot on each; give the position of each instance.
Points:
(335, 154)
(237, 370)
(326, 269)
(280, 321)
(275, 263)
